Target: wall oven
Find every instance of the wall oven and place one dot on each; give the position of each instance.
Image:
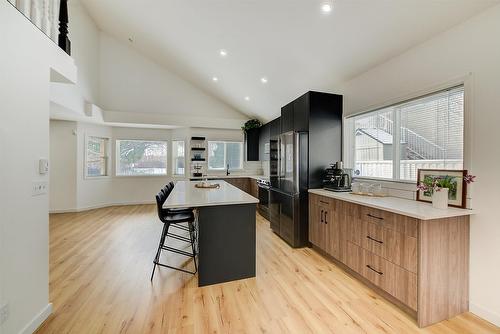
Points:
(263, 206)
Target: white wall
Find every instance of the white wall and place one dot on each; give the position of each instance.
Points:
(71, 191)
(472, 51)
(24, 138)
(63, 165)
(84, 36)
(133, 83)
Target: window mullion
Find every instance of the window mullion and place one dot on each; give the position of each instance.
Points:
(396, 153)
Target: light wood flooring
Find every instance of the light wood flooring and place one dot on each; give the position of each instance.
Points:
(101, 261)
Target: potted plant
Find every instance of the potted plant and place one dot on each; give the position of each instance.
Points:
(251, 124)
(440, 187)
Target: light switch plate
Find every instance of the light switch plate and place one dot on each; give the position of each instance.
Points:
(39, 188)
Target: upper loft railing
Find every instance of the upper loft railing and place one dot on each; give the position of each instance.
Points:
(50, 16)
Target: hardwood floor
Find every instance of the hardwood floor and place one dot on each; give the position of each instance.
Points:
(101, 261)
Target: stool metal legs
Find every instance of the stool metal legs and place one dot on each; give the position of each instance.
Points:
(162, 246)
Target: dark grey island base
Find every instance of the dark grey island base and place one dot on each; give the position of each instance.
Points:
(226, 229)
(226, 243)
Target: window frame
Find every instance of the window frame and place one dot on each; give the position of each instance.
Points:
(350, 141)
(106, 157)
(242, 154)
(117, 160)
(174, 174)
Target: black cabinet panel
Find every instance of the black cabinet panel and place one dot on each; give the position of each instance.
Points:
(301, 113)
(287, 118)
(275, 127)
(252, 144)
(274, 210)
(263, 140)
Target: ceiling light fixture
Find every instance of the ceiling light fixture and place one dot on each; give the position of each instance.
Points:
(222, 52)
(263, 80)
(215, 79)
(326, 7)
(247, 98)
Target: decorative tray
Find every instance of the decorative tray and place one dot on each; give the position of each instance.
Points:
(207, 185)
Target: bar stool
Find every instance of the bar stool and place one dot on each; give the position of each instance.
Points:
(174, 219)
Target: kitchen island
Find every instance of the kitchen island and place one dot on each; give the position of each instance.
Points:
(226, 229)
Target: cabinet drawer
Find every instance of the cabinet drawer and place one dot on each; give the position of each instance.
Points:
(393, 246)
(386, 219)
(393, 279)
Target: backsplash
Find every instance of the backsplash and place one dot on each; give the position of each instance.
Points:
(394, 189)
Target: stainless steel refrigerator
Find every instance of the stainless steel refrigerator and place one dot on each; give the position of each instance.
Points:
(289, 185)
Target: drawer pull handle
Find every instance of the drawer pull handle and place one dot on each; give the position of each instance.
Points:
(378, 272)
(321, 215)
(373, 239)
(323, 202)
(326, 222)
(372, 216)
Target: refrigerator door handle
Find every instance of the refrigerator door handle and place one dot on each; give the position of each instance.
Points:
(296, 169)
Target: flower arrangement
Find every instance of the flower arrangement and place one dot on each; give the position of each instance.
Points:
(436, 183)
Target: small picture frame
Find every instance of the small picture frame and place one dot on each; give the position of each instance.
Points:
(457, 192)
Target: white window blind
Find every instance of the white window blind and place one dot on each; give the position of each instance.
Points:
(396, 141)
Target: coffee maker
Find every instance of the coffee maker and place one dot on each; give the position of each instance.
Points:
(336, 178)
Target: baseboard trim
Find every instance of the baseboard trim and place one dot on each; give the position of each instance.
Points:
(99, 206)
(485, 314)
(33, 325)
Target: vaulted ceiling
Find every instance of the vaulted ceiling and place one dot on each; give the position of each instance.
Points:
(292, 43)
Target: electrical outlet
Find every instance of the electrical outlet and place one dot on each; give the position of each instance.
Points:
(4, 313)
(39, 188)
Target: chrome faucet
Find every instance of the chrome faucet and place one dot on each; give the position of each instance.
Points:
(227, 170)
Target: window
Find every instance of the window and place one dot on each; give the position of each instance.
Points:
(178, 157)
(96, 161)
(141, 157)
(396, 141)
(221, 154)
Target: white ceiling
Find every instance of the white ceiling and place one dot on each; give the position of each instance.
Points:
(291, 42)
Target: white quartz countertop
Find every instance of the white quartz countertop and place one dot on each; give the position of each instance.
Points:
(415, 209)
(185, 194)
(231, 176)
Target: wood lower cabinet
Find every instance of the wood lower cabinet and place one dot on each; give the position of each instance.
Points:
(253, 188)
(420, 265)
(324, 227)
(242, 183)
(247, 184)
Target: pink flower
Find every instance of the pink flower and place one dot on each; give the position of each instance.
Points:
(422, 187)
(469, 178)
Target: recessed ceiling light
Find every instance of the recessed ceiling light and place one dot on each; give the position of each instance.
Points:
(247, 98)
(215, 79)
(263, 80)
(222, 52)
(326, 7)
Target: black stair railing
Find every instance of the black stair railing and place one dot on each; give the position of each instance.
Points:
(63, 40)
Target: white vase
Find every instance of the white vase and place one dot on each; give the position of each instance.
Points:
(440, 198)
